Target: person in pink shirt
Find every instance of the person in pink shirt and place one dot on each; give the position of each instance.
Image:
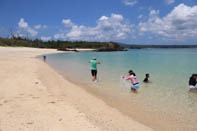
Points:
(133, 79)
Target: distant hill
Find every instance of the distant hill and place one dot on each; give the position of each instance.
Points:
(156, 46)
(67, 45)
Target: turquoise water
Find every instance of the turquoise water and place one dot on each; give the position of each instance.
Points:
(165, 100)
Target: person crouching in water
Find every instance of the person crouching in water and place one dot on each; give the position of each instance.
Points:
(192, 81)
(132, 78)
(94, 63)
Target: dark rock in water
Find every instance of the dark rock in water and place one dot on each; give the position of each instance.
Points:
(111, 46)
(108, 49)
(66, 49)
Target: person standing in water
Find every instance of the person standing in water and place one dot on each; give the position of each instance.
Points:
(94, 63)
(132, 78)
(44, 57)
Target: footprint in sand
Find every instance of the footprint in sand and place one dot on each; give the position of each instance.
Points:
(35, 97)
(6, 101)
(30, 123)
(30, 95)
(60, 119)
(52, 102)
(17, 97)
(21, 94)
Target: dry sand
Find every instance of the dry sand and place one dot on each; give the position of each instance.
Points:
(33, 97)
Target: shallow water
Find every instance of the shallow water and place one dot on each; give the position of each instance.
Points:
(164, 104)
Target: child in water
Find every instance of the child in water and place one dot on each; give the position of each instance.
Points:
(192, 81)
(146, 78)
(132, 78)
(44, 57)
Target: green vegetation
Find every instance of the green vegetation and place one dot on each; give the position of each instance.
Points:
(60, 45)
(67, 45)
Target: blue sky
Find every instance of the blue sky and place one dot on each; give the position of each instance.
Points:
(125, 21)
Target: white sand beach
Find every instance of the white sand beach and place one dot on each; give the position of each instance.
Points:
(33, 97)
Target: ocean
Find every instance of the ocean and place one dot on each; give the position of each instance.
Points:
(166, 103)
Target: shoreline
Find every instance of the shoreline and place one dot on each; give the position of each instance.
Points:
(46, 101)
(156, 118)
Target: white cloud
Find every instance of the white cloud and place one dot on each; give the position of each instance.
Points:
(22, 23)
(40, 26)
(31, 31)
(25, 28)
(44, 26)
(107, 28)
(140, 16)
(37, 26)
(67, 22)
(130, 2)
(116, 17)
(154, 12)
(103, 18)
(170, 1)
(45, 38)
(60, 36)
(179, 24)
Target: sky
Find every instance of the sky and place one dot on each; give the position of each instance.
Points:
(124, 21)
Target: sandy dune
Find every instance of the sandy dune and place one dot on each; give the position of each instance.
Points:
(33, 97)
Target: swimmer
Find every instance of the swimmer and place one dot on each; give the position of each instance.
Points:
(146, 78)
(192, 81)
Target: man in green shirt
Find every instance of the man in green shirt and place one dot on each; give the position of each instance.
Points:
(94, 63)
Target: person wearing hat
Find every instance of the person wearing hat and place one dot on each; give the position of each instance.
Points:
(94, 63)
